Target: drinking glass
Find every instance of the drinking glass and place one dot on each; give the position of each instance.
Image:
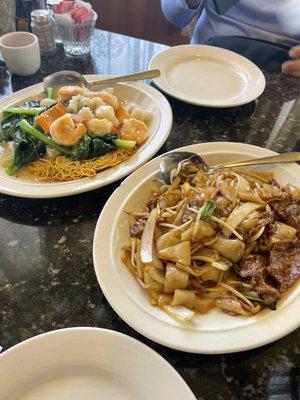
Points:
(76, 37)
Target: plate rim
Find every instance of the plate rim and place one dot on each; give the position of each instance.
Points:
(139, 327)
(104, 331)
(152, 64)
(87, 184)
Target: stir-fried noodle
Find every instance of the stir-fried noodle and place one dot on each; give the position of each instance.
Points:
(226, 240)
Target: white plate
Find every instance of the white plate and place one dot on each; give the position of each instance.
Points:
(87, 364)
(160, 125)
(215, 332)
(208, 76)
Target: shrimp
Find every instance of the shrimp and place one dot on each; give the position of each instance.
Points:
(66, 92)
(108, 98)
(95, 102)
(99, 127)
(134, 129)
(65, 132)
(121, 112)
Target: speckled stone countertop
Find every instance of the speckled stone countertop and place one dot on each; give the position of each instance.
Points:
(47, 279)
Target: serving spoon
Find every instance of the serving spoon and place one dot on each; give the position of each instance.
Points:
(71, 78)
(170, 161)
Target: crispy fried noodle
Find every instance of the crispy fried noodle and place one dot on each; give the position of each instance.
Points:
(228, 240)
(64, 169)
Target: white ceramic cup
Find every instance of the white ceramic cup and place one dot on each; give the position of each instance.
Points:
(21, 52)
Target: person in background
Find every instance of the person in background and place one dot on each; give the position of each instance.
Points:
(7, 16)
(265, 31)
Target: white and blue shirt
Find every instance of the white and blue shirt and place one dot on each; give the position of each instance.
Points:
(276, 21)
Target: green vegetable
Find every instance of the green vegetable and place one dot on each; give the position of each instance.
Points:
(90, 147)
(30, 142)
(35, 124)
(253, 296)
(32, 103)
(50, 93)
(10, 128)
(98, 148)
(108, 137)
(207, 210)
(82, 150)
(116, 142)
(24, 110)
(24, 151)
(7, 115)
(30, 130)
(124, 144)
(93, 146)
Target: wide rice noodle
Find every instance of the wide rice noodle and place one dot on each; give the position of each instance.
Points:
(64, 169)
(194, 264)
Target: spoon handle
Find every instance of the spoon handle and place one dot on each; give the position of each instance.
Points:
(152, 73)
(282, 158)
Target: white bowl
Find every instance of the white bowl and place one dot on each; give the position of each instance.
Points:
(87, 364)
(215, 332)
(160, 125)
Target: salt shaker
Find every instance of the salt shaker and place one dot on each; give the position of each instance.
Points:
(42, 26)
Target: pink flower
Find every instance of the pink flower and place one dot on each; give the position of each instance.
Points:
(63, 7)
(81, 14)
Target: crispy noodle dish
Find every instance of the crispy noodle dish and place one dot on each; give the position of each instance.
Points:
(228, 240)
(73, 135)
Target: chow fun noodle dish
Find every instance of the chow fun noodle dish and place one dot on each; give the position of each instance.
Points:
(73, 135)
(228, 240)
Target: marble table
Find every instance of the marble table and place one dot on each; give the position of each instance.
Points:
(47, 279)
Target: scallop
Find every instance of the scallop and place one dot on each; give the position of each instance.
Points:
(99, 127)
(106, 112)
(86, 114)
(139, 113)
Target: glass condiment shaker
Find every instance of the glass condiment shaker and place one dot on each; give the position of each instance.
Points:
(43, 27)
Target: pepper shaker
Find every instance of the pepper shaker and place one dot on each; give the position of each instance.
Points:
(42, 26)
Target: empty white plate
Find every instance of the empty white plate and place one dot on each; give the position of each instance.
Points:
(87, 364)
(208, 76)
